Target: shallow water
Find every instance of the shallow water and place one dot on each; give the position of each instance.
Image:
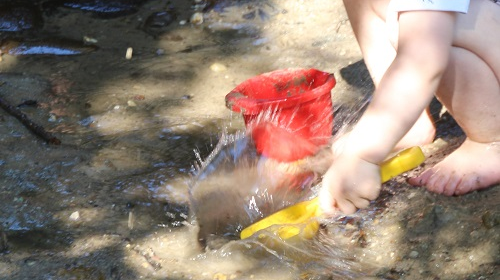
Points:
(112, 201)
(132, 131)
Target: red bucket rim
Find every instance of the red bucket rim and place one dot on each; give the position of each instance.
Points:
(239, 102)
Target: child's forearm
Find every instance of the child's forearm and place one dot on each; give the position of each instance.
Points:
(403, 94)
(407, 87)
(396, 105)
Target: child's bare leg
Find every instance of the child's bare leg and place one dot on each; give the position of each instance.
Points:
(421, 133)
(471, 92)
(370, 28)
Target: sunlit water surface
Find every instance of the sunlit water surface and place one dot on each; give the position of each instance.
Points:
(149, 148)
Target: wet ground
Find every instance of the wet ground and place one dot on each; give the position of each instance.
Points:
(135, 115)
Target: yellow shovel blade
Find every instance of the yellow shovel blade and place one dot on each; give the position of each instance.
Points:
(296, 219)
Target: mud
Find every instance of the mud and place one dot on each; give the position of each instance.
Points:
(111, 202)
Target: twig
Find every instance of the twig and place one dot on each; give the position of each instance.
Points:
(4, 246)
(150, 257)
(33, 127)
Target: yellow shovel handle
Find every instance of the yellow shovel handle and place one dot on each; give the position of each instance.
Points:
(396, 165)
(404, 161)
(302, 212)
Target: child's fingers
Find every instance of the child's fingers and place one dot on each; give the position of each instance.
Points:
(327, 202)
(360, 202)
(346, 206)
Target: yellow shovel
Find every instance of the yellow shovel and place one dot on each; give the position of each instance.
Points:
(299, 218)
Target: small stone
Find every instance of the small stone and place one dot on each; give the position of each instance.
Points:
(131, 103)
(128, 54)
(30, 262)
(52, 118)
(475, 234)
(139, 97)
(411, 195)
(89, 40)
(413, 254)
(160, 52)
(218, 67)
(220, 276)
(196, 18)
(75, 216)
(490, 220)
(131, 220)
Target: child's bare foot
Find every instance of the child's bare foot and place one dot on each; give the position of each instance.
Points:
(471, 167)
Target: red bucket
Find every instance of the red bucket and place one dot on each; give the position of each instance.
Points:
(289, 112)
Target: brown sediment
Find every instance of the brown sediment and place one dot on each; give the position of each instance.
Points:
(28, 123)
(50, 46)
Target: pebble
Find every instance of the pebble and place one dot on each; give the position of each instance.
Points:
(196, 18)
(89, 40)
(411, 195)
(30, 262)
(75, 216)
(218, 67)
(413, 254)
(220, 276)
(131, 103)
(160, 52)
(128, 54)
(490, 220)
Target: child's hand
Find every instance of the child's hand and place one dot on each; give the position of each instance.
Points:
(350, 183)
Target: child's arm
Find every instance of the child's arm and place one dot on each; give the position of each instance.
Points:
(424, 44)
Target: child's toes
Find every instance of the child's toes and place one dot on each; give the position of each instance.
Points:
(452, 184)
(421, 179)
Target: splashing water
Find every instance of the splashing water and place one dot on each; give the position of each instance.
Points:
(235, 187)
(319, 258)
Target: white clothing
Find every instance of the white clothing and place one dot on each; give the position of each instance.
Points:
(396, 6)
(460, 6)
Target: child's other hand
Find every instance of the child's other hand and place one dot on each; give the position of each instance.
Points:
(350, 183)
